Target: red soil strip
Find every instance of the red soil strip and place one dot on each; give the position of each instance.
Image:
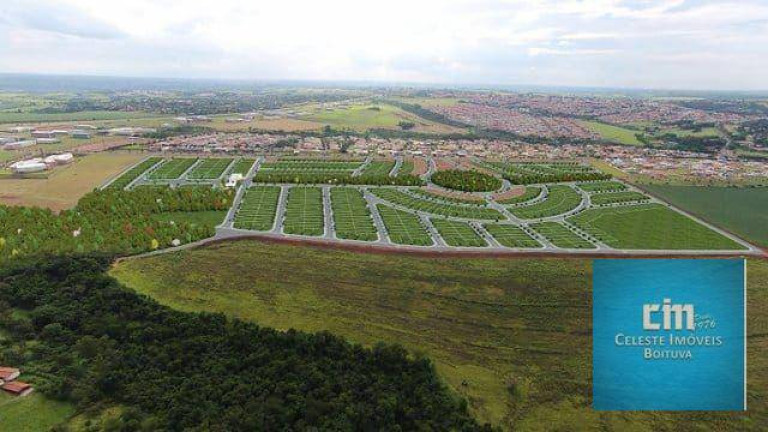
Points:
(419, 166)
(513, 192)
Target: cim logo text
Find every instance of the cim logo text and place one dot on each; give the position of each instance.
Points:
(668, 312)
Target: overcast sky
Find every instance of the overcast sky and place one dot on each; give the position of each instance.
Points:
(646, 44)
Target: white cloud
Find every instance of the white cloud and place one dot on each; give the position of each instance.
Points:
(603, 42)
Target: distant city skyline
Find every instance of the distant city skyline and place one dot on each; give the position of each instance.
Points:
(664, 45)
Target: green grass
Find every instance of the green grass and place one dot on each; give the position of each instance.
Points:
(14, 117)
(403, 227)
(258, 208)
(612, 133)
(459, 234)
(361, 117)
(127, 177)
(242, 166)
(172, 169)
(513, 336)
(379, 168)
(304, 211)
(209, 169)
(649, 226)
(33, 413)
(560, 199)
(530, 193)
(743, 211)
(618, 197)
(511, 236)
(438, 208)
(560, 236)
(351, 215)
(602, 186)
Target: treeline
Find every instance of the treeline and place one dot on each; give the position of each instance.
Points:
(336, 179)
(697, 144)
(117, 221)
(87, 340)
(531, 178)
(180, 130)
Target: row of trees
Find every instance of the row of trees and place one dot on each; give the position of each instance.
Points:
(97, 344)
(336, 179)
(110, 220)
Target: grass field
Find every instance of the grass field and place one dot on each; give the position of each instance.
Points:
(351, 215)
(209, 169)
(612, 133)
(127, 177)
(560, 236)
(603, 186)
(439, 208)
(511, 236)
(25, 117)
(258, 208)
(364, 117)
(743, 211)
(560, 199)
(242, 166)
(379, 168)
(171, 169)
(33, 413)
(511, 335)
(618, 197)
(459, 234)
(530, 193)
(68, 183)
(403, 227)
(649, 226)
(304, 211)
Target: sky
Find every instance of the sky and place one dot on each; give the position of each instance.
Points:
(672, 44)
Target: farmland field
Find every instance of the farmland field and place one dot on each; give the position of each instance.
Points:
(403, 227)
(511, 236)
(304, 211)
(33, 413)
(617, 197)
(743, 211)
(649, 226)
(351, 216)
(442, 209)
(459, 234)
(258, 208)
(513, 336)
(172, 169)
(450, 197)
(560, 236)
(209, 169)
(560, 199)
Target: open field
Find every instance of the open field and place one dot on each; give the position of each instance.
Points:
(351, 215)
(33, 413)
(612, 133)
(649, 226)
(242, 166)
(304, 211)
(618, 197)
(364, 117)
(603, 186)
(404, 228)
(66, 184)
(511, 335)
(127, 177)
(28, 117)
(560, 199)
(743, 211)
(379, 168)
(459, 234)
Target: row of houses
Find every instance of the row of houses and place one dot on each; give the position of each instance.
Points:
(10, 384)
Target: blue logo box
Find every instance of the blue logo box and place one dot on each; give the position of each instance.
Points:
(669, 334)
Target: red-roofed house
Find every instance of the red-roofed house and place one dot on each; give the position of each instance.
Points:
(17, 388)
(8, 374)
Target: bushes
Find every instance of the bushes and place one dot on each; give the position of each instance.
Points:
(336, 179)
(467, 181)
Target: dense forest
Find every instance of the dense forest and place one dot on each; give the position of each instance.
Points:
(84, 338)
(111, 220)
